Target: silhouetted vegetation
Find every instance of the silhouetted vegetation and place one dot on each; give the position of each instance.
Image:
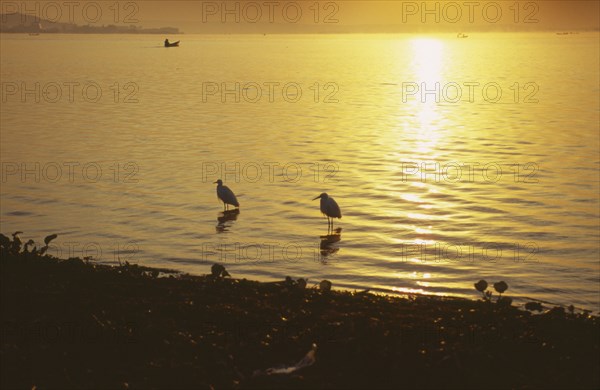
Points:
(500, 287)
(77, 324)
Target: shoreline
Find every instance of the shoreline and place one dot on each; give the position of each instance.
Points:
(519, 301)
(69, 323)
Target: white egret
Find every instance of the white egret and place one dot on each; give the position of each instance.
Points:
(330, 208)
(226, 195)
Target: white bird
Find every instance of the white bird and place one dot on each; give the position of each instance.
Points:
(330, 208)
(226, 195)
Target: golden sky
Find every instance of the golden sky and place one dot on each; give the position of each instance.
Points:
(324, 16)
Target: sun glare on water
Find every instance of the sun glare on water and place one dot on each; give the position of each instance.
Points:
(427, 65)
(428, 59)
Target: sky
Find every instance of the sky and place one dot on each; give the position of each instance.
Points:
(274, 16)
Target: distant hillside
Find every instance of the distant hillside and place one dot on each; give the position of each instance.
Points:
(22, 23)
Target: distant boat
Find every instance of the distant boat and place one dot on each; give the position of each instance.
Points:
(462, 35)
(171, 44)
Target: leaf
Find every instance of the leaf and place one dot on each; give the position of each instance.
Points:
(50, 238)
(501, 286)
(4, 241)
(481, 285)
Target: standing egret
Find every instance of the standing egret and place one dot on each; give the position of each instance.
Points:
(226, 195)
(330, 208)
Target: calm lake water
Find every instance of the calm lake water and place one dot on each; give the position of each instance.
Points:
(120, 154)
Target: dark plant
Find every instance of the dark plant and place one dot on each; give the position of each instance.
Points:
(531, 306)
(500, 287)
(481, 286)
(16, 247)
(325, 286)
(4, 241)
(219, 271)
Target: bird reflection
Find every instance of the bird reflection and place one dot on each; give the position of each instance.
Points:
(327, 244)
(224, 217)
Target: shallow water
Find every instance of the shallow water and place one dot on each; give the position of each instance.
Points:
(129, 176)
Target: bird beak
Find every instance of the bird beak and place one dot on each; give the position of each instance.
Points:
(317, 197)
(214, 182)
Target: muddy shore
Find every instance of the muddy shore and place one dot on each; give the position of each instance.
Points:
(76, 324)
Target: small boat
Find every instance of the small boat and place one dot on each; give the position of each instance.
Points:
(462, 35)
(171, 44)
